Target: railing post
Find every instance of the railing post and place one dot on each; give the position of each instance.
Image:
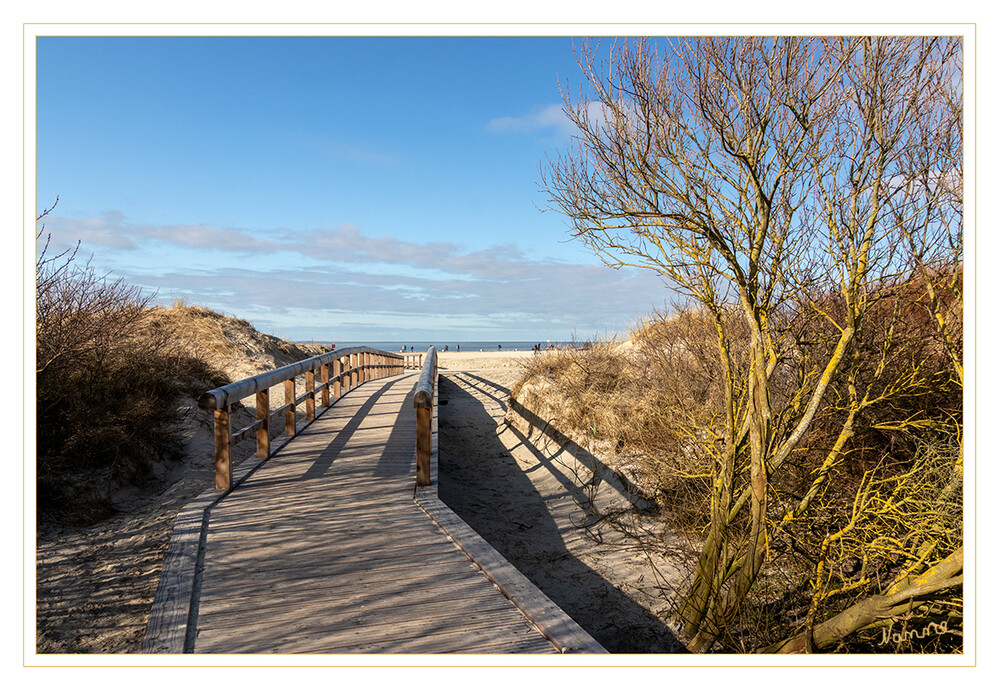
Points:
(289, 415)
(310, 388)
(424, 418)
(264, 415)
(353, 371)
(324, 379)
(223, 450)
(337, 374)
(423, 401)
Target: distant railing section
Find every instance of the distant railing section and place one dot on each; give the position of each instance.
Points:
(423, 401)
(339, 371)
(414, 361)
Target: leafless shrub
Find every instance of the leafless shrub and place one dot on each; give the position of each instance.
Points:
(108, 375)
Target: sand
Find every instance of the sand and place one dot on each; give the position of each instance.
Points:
(504, 476)
(532, 495)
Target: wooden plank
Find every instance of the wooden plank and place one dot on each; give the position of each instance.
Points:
(435, 571)
(166, 629)
(329, 524)
(541, 610)
(383, 600)
(321, 634)
(233, 568)
(277, 545)
(317, 505)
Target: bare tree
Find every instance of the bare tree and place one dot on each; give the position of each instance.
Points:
(783, 180)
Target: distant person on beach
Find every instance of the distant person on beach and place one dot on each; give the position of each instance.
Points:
(458, 347)
(332, 346)
(500, 346)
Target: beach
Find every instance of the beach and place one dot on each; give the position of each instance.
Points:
(491, 360)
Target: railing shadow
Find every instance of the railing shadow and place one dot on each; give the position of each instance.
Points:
(583, 490)
(487, 488)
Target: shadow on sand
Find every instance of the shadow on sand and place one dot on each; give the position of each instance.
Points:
(484, 484)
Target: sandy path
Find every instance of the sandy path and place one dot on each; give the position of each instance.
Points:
(522, 492)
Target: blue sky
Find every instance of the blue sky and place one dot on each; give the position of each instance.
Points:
(347, 188)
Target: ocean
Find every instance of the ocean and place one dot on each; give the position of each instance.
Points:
(452, 346)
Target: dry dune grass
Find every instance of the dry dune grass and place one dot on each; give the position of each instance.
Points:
(228, 344)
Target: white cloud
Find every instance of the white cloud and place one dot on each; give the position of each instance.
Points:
(550, 116)
(111, 230)
(349, 276)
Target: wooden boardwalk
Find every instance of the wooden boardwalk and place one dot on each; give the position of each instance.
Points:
(326, 548)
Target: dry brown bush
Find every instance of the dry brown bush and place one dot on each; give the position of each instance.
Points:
(656, 397)
(108, 374)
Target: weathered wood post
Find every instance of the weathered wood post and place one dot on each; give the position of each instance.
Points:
(264, 417)
(289, 414)
(423, 401)
(310, 389)
(337, 378)
(223, 450)
(324, 380)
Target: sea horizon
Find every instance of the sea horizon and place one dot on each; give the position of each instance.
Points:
(447, 345)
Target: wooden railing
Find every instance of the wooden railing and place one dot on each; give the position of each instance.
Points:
(414, 361)
(339, 372)
(423, 401)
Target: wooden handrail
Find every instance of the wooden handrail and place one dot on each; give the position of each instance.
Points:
(423, 401)
(362, 364)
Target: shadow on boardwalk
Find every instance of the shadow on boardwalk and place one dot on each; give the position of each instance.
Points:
(521, 502)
